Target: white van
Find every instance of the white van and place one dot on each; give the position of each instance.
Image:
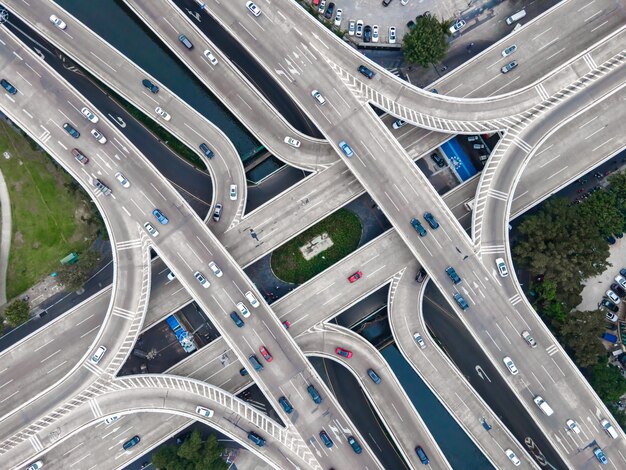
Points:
(543, 406)
(516, 16)
(610, 430)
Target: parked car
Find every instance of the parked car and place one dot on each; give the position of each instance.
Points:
(329, 11)
(367, 33)
(610, 316)
(351, 27)
(359, 28)
(375, 36)
(338, 17)
(610, 305)
(615, 287)
(613, 297)
(440, 162)
(392, 34)
(621, 281)
(457, 26)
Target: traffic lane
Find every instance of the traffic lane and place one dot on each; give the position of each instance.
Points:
(250, 68)
(266, 331)
(396, 410)
(538, 47)
(350, 396)
(481, 374)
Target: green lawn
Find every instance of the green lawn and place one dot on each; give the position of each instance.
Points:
(50, 216)
(343, 227)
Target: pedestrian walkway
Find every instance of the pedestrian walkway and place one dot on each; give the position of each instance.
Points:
(5, 237)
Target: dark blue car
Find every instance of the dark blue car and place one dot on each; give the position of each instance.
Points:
(8, 87)
(419, 228)
(285, 404)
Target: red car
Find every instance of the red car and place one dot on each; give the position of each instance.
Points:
(286, 324)
(355, 277)
(343, 352)
(268, 357)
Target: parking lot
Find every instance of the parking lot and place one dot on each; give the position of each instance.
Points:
(372, 12)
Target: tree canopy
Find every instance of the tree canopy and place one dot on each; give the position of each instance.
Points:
(426, 43)
(16, 312)
(193, 454)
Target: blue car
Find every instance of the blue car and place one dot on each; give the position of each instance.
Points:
(160, 217)
(600, 456)
(431, 220)
(374, 376)
(285, 404)
(422, 455)
(453, 275)
(150, 86)
(131, 443)
(419, 228)
(461, 301)
(355, 445)
(8, 87)
(71, 131)
(345, 148)
(258, 440)
(328, 442)
(206, 150)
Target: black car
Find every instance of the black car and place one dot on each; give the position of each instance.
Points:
(410, 24)
(365, 71)
(71, 131)
(618, 289)
(206, 150)
(150, 86)
(421, 275)
(237, 319)
(367, 33)
(610, 305)
(329, 11)
(8, 87)
(438, 160)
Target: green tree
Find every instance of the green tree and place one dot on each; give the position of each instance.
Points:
(580, 332)
(73, 276)
(426, 43)
(193, 454)
(16, 312)
(607, 381)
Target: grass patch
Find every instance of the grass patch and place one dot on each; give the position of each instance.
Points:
(342, 226)
(51, 214)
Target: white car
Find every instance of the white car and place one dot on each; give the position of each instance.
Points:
(58, 22)
(338, 16)
(122, 179)
(529, 339)
(253, 8)
(508, 362)
(419, 340)
(98, 355)
(242, 308)
(201, 279)
(111, 419)
(252, 299)
(233, 192)
(164, 114)
(322, 6)
(512, 457)
(392, 34)
(215, 268)
(502, 267)
(151, 230)
(211, 58)
(89, 115)
(318, 97)
(457, 26)
(621, 281)
(171, 275)
(99, 136)
(397, 124)
(509, 50)
(293, 142)
(359, 28)
(202, 411)
(375, 33)
(351, 27)
(610, 316)
(35, 465)
(573, 426)
(404, 2)
(613, 297)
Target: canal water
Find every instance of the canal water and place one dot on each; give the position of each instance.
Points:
(127, 34)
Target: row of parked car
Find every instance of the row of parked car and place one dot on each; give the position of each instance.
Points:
(613, 297)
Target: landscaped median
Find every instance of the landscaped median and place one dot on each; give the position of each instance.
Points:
(51, 214)
(317, 248)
